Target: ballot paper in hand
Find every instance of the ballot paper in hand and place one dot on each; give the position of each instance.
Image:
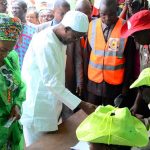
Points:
(81, 146)
(9, 122)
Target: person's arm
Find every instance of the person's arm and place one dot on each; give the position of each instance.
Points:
(123, 12)
(42, 26)
(79, 68)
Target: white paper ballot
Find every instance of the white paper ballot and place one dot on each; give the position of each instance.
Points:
(9, 122)
(81, 146)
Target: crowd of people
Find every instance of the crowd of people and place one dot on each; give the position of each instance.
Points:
(57, 57)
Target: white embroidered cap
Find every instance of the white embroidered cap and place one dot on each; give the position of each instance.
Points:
(76, 20)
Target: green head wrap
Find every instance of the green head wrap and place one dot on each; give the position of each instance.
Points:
(110, 125)
(10, 27)
(143, 79)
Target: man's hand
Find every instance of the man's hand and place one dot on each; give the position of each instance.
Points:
(88, 108)
(15, 112)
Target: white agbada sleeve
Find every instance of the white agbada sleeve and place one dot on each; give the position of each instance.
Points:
(47, 56)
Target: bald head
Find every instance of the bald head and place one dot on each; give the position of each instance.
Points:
(108, 12)
(84, 6)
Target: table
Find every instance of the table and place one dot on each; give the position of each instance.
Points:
(64, 138)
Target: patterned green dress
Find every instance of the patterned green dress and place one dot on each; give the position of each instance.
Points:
(12, 92)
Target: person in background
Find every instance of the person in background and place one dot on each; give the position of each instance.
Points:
(12, 91)
(81, 54)
(32, 15)
(45, 15)
(19, 9)
(74, 80)
(130, 8)
(60, 9)
(45, 9)
(3, 6)
(74, 68)
(133, 6)
(139, 27)
(140, 58)
(44, 74)
(143, 85)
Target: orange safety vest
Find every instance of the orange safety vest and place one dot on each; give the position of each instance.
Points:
(107, 60)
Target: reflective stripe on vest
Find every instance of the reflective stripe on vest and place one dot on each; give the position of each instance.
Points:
(106, 59)
(98, 66)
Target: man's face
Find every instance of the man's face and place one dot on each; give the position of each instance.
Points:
(145, 92)
(70, 36)
(142, 37)
(3, 6)
(59, 13)
(17, 10)
(108, 15)
(31, 17)
(45, 16)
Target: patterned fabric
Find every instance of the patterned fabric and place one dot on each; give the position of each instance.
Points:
(7, 74)
(10, 27)
(24, 41)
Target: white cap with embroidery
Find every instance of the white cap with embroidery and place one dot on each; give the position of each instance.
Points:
(76, 20)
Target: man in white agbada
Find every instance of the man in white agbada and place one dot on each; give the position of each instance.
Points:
(44, 74)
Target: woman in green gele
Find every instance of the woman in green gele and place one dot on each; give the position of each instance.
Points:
(12, 89)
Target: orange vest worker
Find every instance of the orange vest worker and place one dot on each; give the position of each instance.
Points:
(107, 60)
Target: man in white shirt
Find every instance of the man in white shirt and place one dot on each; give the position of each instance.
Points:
(44, 74)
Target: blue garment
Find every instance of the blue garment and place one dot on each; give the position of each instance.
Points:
(24, 41)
